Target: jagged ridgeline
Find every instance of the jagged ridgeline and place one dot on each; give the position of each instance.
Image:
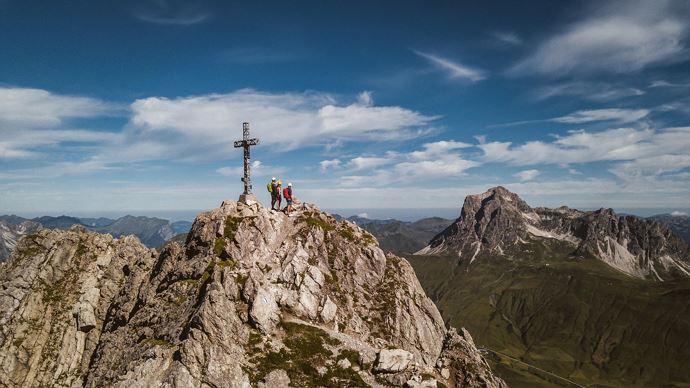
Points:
(252, 298)
(590, 296)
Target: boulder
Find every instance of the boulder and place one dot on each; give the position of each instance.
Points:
(393, 360)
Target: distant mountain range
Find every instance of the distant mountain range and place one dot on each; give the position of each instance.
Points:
(592, 297)
(409, 237)
(401, 236)
(151, 231)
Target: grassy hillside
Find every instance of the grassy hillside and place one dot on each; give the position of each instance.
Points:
(577, 318)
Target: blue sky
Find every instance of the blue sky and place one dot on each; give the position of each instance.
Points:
(131, 106)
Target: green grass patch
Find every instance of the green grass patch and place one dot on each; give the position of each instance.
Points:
(229, 263)
(313, 221)
(157, 342)
(307, 350)
(231, 226)
(347, 232)
(219, 246)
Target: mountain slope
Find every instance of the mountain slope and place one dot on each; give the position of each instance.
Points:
(253, 297)
(498, 220)
(12, 229)
(406, 237)
(542, 286)
(153, 232)
(679, 224)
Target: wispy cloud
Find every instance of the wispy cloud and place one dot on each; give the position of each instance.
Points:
(326, 165)
(454, 69)
(599, 92)
(636, 152)
(507, 37)
(198, 125)
(433, 161)
(172, 12)
(613, 114)
(527, 175)
(365, 163)
(665, 84)
(32, 108)
(621, 116)
(32, 119)
(622, 37)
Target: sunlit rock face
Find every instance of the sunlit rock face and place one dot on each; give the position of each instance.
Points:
(252, 298)
(499, 222)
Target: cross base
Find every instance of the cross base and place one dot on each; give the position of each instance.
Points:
(248, 199)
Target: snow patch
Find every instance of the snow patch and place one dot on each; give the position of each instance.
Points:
(533, 230)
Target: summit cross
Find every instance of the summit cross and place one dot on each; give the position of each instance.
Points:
(245, 143)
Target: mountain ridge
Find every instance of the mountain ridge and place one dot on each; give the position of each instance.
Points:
(152, 231)
(497, 220)
(253, 297)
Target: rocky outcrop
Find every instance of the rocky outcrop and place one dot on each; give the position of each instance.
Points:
(253, 298)
(497, 222)
(56, 290)
(11, 231)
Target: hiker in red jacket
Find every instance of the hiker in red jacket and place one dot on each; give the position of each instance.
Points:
(287, 194)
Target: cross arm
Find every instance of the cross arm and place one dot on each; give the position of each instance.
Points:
(242, 143)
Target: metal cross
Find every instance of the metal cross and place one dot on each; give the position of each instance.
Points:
(245, 143)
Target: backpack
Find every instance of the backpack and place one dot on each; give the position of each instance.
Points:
(286, 193)
(269, 187)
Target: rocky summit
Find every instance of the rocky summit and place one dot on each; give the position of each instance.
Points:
(500, 223)
(252, 298)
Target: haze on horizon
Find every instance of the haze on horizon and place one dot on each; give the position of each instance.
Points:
(135, 105)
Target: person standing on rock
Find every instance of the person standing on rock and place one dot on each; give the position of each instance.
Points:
(275, 193)
(287, 193)
(278, 191)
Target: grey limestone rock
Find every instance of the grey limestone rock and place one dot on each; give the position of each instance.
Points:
(251, 294)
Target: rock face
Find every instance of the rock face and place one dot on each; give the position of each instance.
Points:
(679, 223)
(253, 298)
(151, 231)
(497, 221)
(11, 231)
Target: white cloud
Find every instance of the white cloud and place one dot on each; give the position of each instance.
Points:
(623, 36)
(439, 148)
(679, 214)
(436, 160)
(527, 175)
(329, 164)
(32, 119)
(23, 108)
(618, 115)
(364, 163)
(363, 215)
(455, 70)
(445, 167)
(258, 169)
(58, 169)
(622, 116)
(202, 125)
(589, 91)
(637, 153)
(507, 37)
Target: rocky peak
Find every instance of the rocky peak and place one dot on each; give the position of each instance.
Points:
(498, 221)
(489, 220)
(253, 298)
